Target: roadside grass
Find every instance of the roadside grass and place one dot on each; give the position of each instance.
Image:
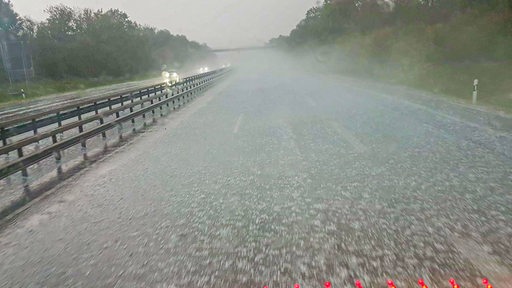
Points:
(403, 58)
(453, 81)
(44, 87)
(494, 89)
(441, 58)
(456, 82)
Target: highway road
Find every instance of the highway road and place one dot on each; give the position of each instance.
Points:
(274, 177)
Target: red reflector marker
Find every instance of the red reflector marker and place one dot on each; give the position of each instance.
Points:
(486, 283)
(391, 284)
(358, 284)
(327, 284)
(453, 283)
(421, 282)
(296, 286)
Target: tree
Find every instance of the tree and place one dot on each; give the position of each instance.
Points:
(10, 22)
(11, 27)
(87, 43)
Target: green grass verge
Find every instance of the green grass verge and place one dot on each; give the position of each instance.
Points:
(451, 80)
(456, 82)
(494, 89)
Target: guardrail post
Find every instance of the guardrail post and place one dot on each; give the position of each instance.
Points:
(172, 97)
(153, 112)
(161, 107)
(59, 124)
(58, 158)
(104, 136)
(131, 111)
(59, 120)
(3, 134)
(143, 114)
(80, 127)
(34, 126)
(120, 130)
(167, 102)
(24, 176)
(109, 104)
(7, 158)
(84, 149)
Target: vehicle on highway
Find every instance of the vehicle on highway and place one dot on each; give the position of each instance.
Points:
(171, 77)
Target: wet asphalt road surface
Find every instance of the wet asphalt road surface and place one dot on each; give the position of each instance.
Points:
(276, 177)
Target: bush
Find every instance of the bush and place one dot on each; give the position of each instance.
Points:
(441, 46)
(89, 44)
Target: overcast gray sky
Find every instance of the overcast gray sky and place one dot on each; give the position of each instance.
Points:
(219, 23)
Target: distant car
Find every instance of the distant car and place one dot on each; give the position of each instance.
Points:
(171, 77)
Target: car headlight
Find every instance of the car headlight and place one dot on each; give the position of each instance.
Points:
(166, 75)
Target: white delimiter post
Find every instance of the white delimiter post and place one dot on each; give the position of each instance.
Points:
(475, 90)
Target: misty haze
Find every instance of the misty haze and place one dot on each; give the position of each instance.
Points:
(336, 143)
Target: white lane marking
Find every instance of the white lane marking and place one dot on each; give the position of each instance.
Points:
(294, 165)
(293, 143)
(349, 137)
(238, 122)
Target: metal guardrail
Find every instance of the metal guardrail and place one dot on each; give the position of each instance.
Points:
(150, 99)
(33, 122)
(19, 124)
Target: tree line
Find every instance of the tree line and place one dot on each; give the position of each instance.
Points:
(86, 43)
(452, 30)
(435, 45)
